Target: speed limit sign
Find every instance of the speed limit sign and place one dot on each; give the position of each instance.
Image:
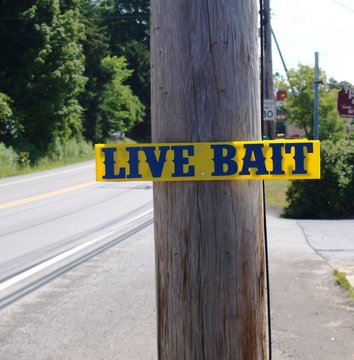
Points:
(269, 111)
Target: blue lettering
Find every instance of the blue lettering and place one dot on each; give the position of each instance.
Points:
(277, 159)
(222, 160)
(180, 160)
(299, 155)
(156, 165)
(133, 162)
(109, 165)
(258, 162)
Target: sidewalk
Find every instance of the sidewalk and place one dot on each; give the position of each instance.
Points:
(312, 317)
(105, 308)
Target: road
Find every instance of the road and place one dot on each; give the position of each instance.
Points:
(71, 288)
(54, 220)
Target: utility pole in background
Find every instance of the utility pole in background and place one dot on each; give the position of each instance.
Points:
(209, 235)
(268, 90)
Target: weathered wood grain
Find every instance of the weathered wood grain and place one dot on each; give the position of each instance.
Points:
(208, 235)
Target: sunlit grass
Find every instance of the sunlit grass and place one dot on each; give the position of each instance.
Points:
(70, 155)
(341, 280)
(275, 193)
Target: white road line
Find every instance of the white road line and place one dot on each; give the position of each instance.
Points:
(45, 176)
(54, 260)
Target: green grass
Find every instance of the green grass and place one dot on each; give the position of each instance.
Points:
(126, 140)
(275, 193)
(44, 164)
(341, 280)
(59, 155)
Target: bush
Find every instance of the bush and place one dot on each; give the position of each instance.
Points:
(331, 196)
(8, 160)
(71, 150)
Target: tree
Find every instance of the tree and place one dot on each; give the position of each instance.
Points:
(7, 126)
(52, 69)
(300, 104)
(5, 109)
(126, 20)
(334, 84)
(17, 35)
(119, 108)
(96, 48)
(127, 23)
(47, 74)
(138, 57)
(56, 79)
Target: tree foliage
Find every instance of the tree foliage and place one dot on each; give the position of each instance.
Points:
(5, 113)
(119, 108)
(300, 103)
(63, 72)
(127, 22)
(333, 194)
(56, 78)
(48, 74)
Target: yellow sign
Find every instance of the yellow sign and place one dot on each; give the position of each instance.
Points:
(256, 160)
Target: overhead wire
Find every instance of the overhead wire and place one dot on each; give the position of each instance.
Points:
(309, 24)
(261, 17)
(343, 6)
(138, 16)
(327, 27)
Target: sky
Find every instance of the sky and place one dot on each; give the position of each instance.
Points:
(303, 27)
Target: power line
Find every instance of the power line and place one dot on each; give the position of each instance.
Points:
(326, 26)
(262, 40)
(306, 22)
(341, 5)
(144, 16)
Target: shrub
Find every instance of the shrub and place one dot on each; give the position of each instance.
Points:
(331, 196)
(24, 159)
(70, 150)
(8, 160)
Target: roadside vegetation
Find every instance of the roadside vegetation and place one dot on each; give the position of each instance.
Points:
(72, 151)
(333, 195)
(72, 74)
(13, 163)
(342, 281)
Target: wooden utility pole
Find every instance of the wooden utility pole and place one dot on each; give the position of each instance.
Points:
(268, 89)
(208, 235)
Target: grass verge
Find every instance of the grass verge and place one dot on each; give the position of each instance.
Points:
(341, 280)
(43, 165)
(275, 193)
(72, 152)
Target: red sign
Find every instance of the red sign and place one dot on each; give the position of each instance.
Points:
(281, 95)
(345, 103)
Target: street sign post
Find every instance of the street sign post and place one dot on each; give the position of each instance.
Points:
(269, 111)
(345, 103)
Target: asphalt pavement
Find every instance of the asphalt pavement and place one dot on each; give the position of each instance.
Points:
(105, 308)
